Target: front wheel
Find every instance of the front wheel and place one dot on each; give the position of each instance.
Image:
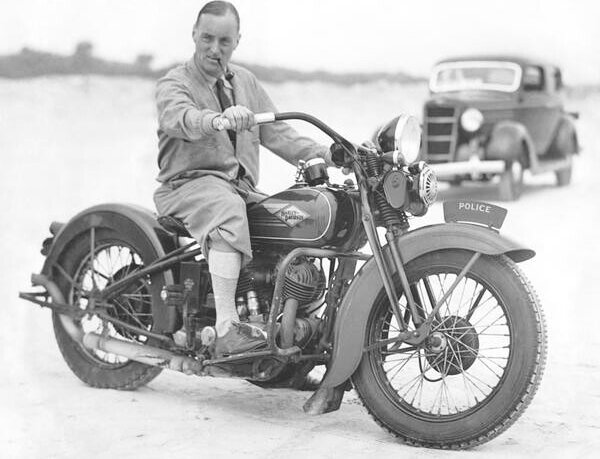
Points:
(511, 181)
(480, 365)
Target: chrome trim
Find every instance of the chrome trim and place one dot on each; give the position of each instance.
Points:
(473, 166)
(263, 118)
(312, 162)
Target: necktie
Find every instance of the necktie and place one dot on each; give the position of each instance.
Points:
(225, 103)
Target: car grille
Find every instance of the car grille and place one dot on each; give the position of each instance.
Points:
(440, 133)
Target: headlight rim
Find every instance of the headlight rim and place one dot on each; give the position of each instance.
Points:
(403, 143)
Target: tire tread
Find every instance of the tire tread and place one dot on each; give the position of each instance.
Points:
(528, 394)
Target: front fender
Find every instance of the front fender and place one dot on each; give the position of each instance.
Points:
(351, 320)
(509, 140)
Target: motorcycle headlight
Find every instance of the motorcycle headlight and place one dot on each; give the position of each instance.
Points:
(401, 135)
(471, 119)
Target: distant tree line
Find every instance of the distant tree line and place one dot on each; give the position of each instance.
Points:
(32, 63)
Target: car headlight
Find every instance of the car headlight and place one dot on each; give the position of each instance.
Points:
(401, 135)
(471, 119)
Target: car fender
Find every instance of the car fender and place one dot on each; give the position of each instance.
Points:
(565, 140)
(124, 218)
(353, 313)
(510, 140)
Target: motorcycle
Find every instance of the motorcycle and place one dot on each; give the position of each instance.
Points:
(437, 329)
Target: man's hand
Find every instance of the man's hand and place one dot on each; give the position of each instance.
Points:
(239, 118)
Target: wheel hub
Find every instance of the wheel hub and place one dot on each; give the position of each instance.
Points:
(453, 346)
(436, 342)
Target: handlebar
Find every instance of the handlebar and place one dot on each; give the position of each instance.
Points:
(346, 146)
(270, 117)
(260, 118)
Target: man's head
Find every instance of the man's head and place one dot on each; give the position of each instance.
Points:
(216, 34)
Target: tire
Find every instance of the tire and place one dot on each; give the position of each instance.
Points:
(563, 176)
(476, 372)
(511, 181)
(115, 255)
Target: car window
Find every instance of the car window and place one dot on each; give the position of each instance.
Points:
(477, 75)
(533, 78)
(558, 82)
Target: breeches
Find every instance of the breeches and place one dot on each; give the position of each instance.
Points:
(213, 211)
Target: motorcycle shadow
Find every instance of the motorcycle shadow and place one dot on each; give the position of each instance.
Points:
(246, 402)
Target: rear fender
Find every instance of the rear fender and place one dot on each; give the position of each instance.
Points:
(125, 219)
(351, 320)
(565, 140)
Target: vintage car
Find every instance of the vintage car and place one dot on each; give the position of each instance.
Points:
(497, 116)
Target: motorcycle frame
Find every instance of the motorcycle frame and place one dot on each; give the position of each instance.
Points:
(169, 261)
(369, 226)
(186, 252)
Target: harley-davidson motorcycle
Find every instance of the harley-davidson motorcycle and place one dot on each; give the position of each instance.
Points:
(437, 329)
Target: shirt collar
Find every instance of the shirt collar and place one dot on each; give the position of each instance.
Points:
(211, 80)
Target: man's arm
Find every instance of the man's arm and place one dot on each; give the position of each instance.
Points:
(284, 140)
(178, 115)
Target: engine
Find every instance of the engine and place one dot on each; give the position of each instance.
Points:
(191, 304)
(304, 281)
(304, 285)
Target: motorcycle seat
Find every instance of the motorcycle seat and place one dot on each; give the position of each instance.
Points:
(173, 225)
(176, 226)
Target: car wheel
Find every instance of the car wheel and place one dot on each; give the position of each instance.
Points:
(563, 176)
(511, 181)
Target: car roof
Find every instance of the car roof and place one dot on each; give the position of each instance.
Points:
(520, 60)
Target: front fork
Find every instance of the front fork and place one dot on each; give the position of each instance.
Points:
(422, 323)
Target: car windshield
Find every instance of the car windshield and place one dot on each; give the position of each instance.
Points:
(459, 76)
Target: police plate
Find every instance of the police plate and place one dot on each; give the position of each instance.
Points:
(481, 213)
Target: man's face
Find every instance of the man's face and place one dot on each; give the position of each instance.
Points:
(215, 37)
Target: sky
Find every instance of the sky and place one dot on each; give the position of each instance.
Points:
(332, 35)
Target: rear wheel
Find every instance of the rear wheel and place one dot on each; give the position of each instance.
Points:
(477, 370)
(563, 176)
(113, 258)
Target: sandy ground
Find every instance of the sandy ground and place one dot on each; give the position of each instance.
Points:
(66, 144)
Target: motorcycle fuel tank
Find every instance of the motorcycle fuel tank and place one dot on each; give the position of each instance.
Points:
(303, 216)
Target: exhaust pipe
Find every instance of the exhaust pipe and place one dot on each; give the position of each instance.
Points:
(57, 297)
(144, 354)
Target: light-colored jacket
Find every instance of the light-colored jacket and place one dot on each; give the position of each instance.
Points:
(188, 145)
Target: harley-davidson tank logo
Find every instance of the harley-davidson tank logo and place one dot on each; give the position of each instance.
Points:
(288, 214)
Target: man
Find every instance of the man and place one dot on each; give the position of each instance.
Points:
(207, 176)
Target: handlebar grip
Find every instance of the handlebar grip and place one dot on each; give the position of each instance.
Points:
(264, 118)
(221, 123)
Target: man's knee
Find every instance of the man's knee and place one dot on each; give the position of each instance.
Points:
(223, 259)
(217, 242)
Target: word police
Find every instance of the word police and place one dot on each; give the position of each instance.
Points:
(475, 206)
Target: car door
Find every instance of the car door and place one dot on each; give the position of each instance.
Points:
(540, 105)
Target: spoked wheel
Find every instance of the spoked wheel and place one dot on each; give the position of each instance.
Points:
(480, 365)
(113, 259)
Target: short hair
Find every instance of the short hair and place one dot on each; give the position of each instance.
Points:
(219, 8)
